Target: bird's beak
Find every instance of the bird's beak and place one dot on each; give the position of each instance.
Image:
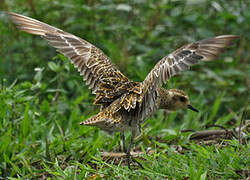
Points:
(189, 106)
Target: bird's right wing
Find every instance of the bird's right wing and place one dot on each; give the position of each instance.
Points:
(184, 57)
(176, 62)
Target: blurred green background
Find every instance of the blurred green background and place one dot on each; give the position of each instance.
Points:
(43, 98)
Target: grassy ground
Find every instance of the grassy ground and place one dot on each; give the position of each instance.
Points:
(42, 97)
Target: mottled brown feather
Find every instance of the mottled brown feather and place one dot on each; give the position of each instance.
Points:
(105, 80)
(184, 57)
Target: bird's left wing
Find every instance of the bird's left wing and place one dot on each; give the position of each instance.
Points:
(105, 80)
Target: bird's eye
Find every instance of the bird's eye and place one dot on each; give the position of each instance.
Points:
(182, 99)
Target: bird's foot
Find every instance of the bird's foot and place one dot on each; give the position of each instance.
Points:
(129, 157)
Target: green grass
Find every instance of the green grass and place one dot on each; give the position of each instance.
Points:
(43, 99)
(38, 140)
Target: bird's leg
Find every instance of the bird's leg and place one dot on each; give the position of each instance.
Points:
(123, 142)
(128, 155)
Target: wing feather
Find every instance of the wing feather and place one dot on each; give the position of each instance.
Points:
(184, 57)
(95, 67)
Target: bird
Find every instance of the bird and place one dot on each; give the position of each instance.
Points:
(125, 104)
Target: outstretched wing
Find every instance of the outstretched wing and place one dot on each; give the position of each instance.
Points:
(105, 80)
(184, 57)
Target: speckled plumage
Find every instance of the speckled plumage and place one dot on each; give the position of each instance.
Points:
(125, 104)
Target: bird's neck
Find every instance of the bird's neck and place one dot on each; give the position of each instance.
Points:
(165, 98)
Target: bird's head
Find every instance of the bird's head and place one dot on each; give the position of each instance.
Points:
(175, 99)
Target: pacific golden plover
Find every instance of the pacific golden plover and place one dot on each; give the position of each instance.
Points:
(125, 104)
